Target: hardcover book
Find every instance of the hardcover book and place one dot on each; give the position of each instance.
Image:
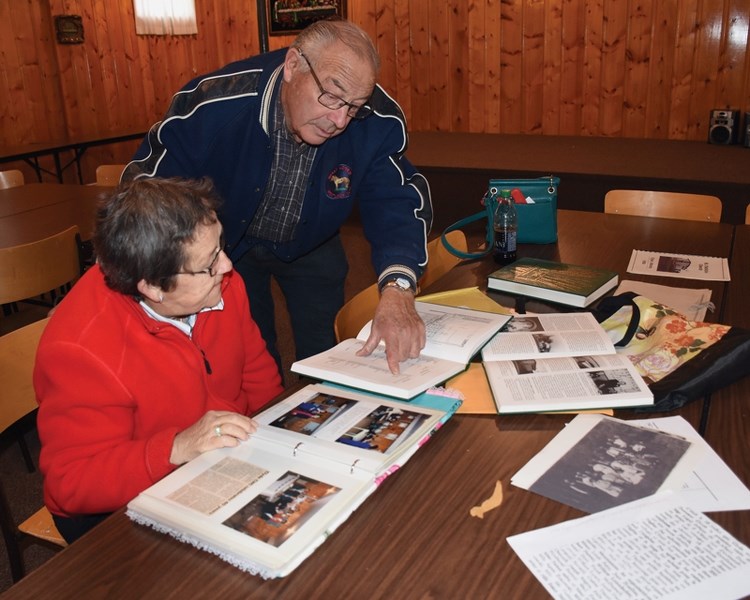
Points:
(454, 335)
(573, 285)
(267, 504)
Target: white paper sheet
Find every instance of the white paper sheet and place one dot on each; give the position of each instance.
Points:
(693, 303)
(712, 485)
(657, 547)
(686, 266)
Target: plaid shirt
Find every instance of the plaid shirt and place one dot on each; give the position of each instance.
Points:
(281, 207)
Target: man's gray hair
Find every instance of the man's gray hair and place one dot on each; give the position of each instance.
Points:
(321, 34)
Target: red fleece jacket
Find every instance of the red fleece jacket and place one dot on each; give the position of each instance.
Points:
(115, 386)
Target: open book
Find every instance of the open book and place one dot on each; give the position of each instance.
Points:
(267, 504)
(454, 335)
(545, 335)
(565, 384)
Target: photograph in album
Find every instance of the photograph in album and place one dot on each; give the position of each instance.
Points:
(274, 515)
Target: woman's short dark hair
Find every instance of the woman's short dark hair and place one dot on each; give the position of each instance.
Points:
(143, 226)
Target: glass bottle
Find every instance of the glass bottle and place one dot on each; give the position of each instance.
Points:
(506, 226)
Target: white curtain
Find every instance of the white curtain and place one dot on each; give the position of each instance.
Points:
(165, 17)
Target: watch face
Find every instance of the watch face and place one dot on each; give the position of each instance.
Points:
(403, 283)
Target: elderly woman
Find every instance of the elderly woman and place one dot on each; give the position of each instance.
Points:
(151, 359)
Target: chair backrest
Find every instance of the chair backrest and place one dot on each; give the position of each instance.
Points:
(356, 312)
(747, 215)
(11, 178)
(440, 260)
(361, 308)
(36, 268)
(17, 355)
(109, 174)
(667, 205)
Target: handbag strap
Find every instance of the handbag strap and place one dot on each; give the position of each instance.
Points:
(488, 213)
(610, 305)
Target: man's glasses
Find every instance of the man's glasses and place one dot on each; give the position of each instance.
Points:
(210, 270)
(333, 101)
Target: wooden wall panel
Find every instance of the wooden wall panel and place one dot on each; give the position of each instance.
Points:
(511, 67)
(419, 26)
(645, 68)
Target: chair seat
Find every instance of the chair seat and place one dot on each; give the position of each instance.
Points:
(41, 525)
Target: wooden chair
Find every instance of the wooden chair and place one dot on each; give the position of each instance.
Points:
(40, 267)
(361, 308)
(109, 174)
(667, 205)
(441, 261)
(11, 178)
(17, 354)
(747, 215)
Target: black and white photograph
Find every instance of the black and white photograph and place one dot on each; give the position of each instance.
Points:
(673, 264)
(545, 342)
(525, 366)
(612, 464)
(523, 324)
(615, 381)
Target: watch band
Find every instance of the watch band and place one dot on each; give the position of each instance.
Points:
(400, 283)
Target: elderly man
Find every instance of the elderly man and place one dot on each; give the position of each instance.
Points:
(291, 138)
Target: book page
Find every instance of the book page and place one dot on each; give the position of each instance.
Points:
(251, 504)
(453, 333)
(575, 383)
(598, 462)
(341, 365)
(544, 335)
(345, 426)
(686, 266)
(652, 548)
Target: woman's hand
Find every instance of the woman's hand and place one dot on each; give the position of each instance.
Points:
(215, 429)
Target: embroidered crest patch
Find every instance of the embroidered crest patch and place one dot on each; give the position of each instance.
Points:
(338, 185)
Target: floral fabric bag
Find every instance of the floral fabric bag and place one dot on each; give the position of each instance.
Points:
(680, 360)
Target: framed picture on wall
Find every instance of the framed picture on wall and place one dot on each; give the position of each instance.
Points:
(291, 16)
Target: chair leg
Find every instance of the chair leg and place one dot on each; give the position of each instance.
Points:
(30, 466)
(10, 539)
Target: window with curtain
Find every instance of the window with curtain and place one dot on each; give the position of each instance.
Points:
(165, 17)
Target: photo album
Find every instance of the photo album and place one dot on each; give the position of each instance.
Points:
(267, 504)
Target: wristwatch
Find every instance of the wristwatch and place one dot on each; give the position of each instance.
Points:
(400, 283)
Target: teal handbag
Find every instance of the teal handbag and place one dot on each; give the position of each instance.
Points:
(537, 220)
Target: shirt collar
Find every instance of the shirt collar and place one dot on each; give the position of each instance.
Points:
(185, 325)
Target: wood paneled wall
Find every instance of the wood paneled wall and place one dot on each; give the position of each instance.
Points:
(617, 68)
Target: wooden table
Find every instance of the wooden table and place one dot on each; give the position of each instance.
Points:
(30, 153)
(37, 210)
(414, 538)
(728, 430)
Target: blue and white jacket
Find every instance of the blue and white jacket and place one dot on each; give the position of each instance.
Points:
(218, 126)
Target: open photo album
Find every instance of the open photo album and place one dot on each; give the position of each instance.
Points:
(267, 504)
